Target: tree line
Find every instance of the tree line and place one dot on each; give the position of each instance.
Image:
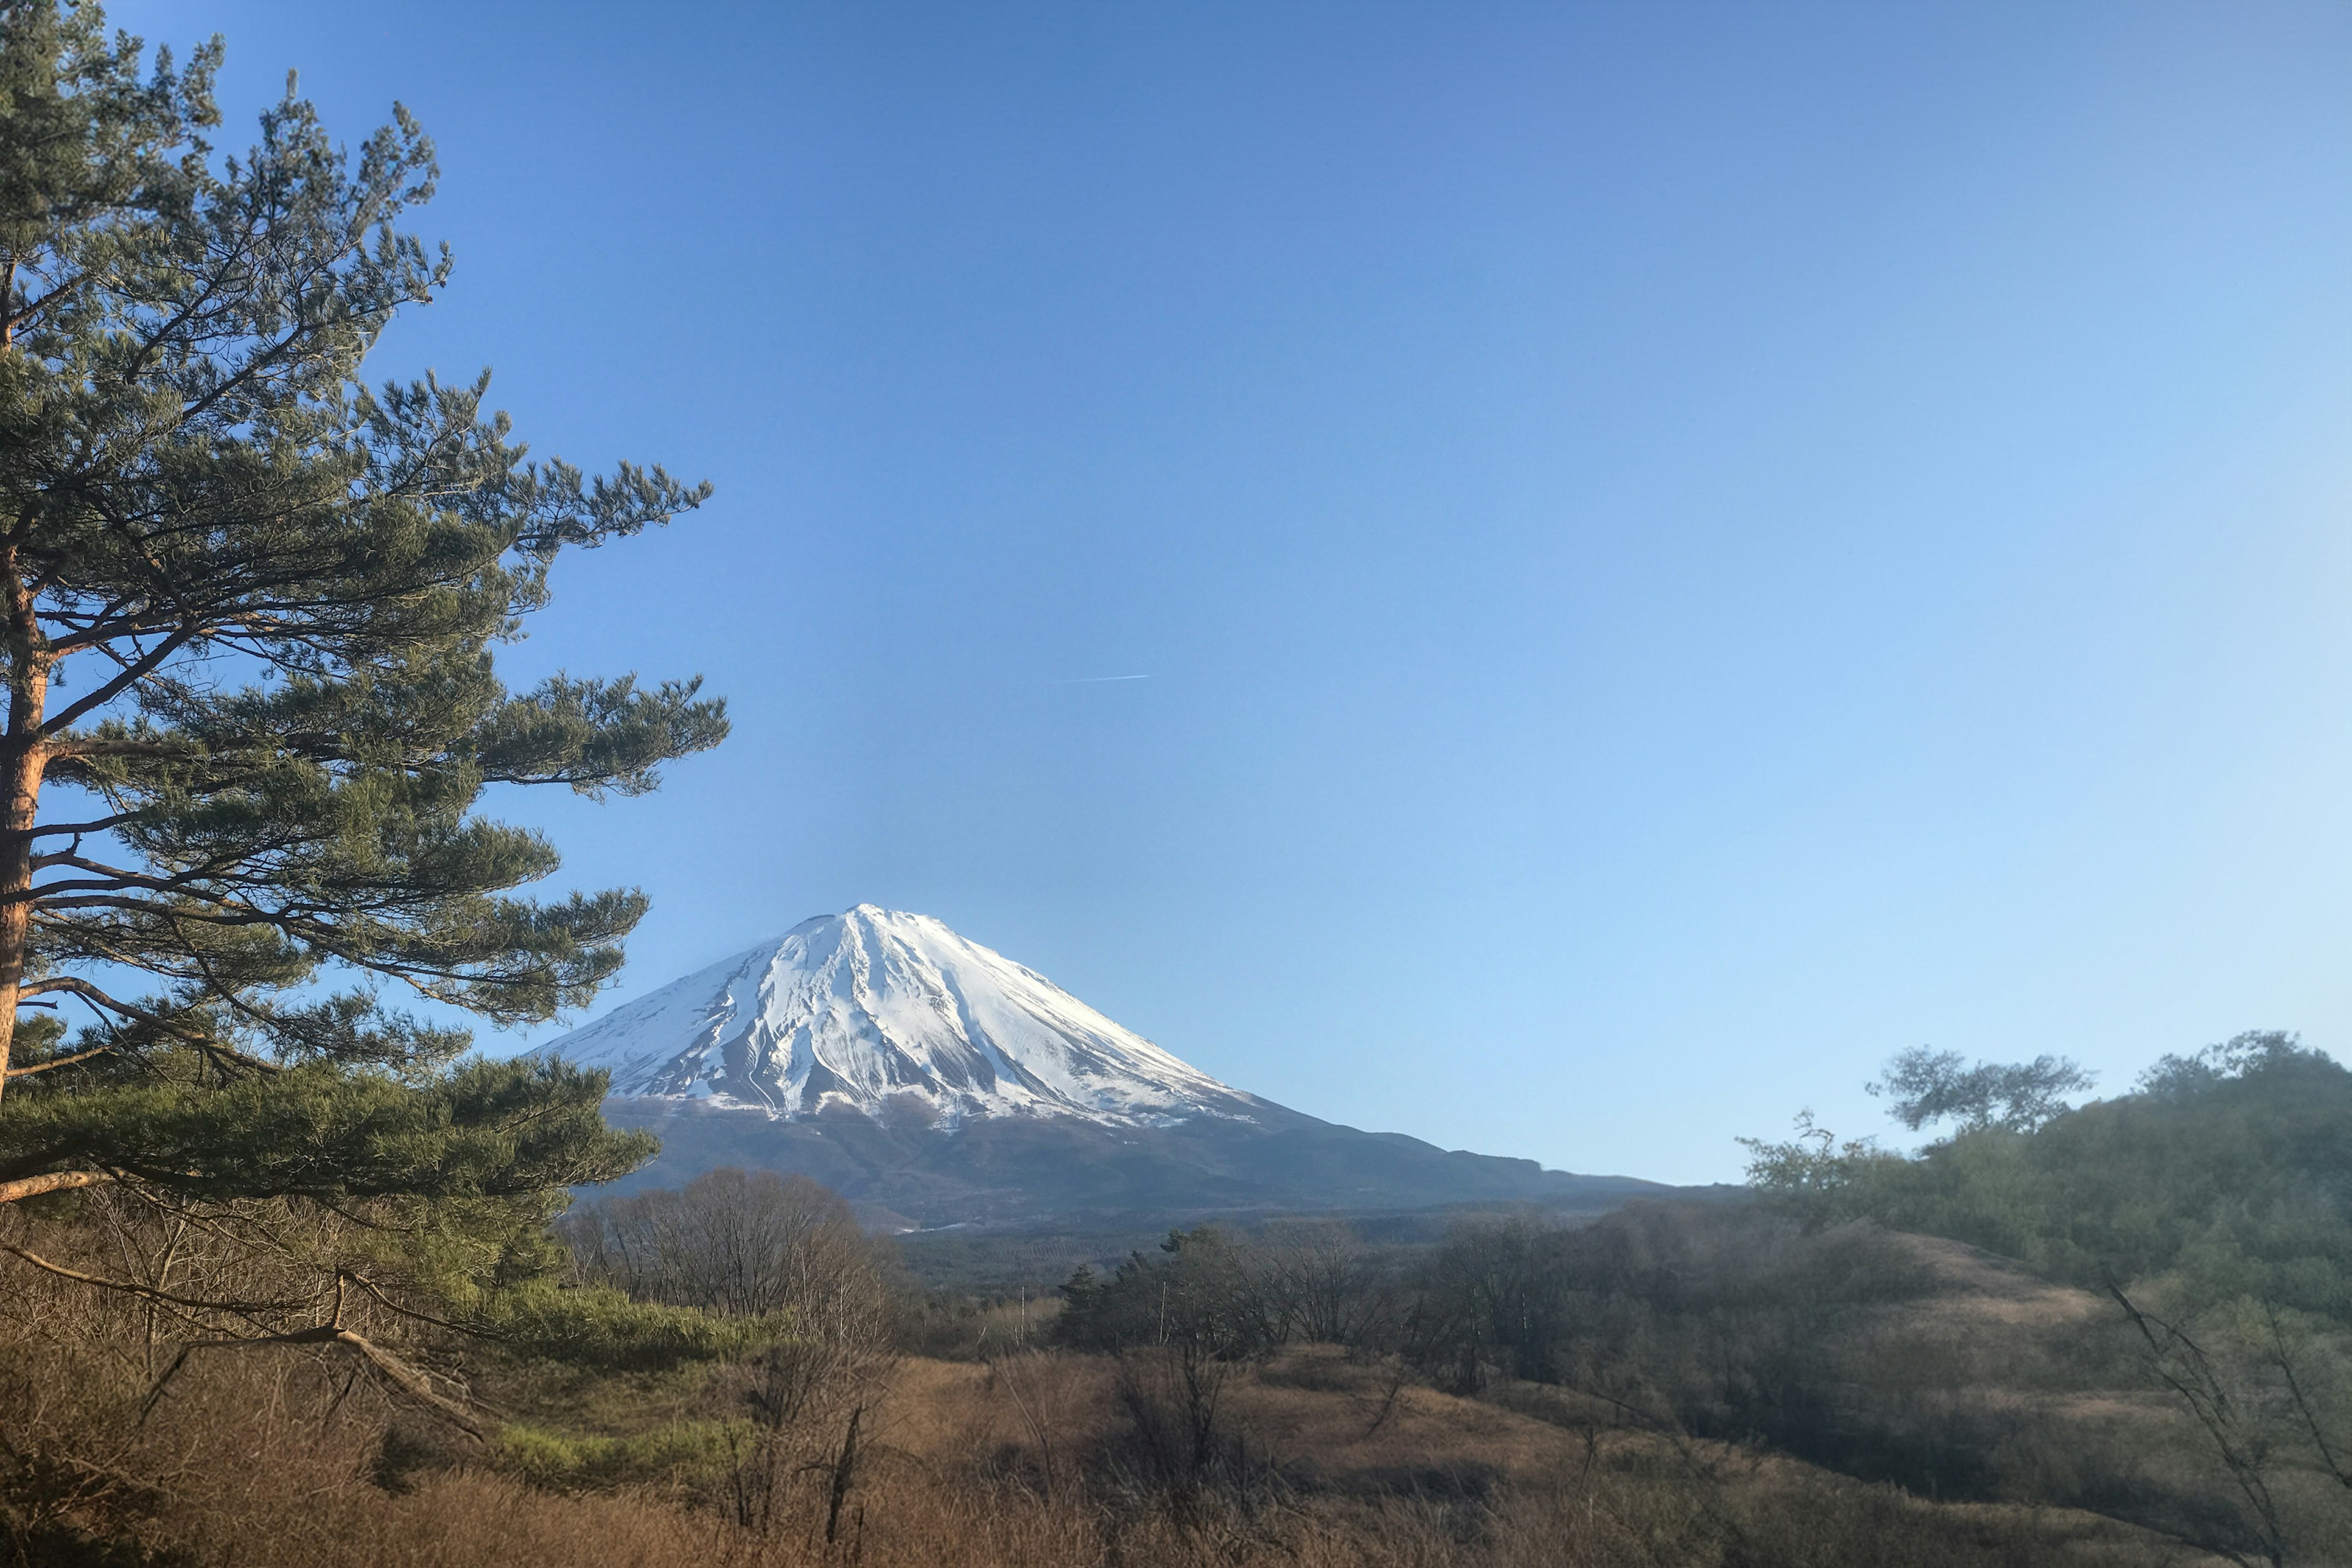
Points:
(2210, 1208)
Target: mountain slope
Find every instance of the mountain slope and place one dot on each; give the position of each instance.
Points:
(923, 1074)
(1019, 1170)
(873, 1008)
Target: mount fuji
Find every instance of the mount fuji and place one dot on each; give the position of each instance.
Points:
(873, 1010)
(934, 1079)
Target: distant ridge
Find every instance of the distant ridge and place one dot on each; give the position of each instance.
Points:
(928, 1076)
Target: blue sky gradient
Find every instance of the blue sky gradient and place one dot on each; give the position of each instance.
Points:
(1678, 549)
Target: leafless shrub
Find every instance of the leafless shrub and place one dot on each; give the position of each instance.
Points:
(113, 1425)
(755, 1244)
(1173, 1396)
(1325, 1286)
(743, 1242)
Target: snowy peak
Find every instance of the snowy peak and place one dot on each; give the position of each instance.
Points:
(877, 1010)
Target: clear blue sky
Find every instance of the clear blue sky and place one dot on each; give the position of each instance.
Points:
(1678, 549)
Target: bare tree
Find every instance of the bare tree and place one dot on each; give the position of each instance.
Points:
(738, 1242)
(1326, 1287)
(754, 1244)
(2249, 1386)
(1495, 1300)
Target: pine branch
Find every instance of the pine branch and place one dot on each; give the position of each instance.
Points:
(107, 692)
(74, 985)
(60, 1061)
(54, 1182)
(81, 829)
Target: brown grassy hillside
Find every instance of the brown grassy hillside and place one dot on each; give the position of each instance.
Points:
(1033, 1460)
(1722, 1395)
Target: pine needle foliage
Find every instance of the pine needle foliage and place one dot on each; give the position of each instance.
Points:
(248, 604)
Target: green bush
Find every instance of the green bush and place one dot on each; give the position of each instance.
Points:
(2227, 1174)
(680, 1452)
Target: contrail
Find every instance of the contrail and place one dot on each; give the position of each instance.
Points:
(1097, 680)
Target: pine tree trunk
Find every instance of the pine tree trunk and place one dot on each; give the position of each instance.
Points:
(22, 759)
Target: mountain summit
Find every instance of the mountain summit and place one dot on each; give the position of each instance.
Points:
(937, 1082)
(877, 1011)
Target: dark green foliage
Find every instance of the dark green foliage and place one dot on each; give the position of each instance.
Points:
(2176, 1076)
(2212, 1211)
(248, 608)
(247, 605)
(1201, 1292)
(1926, 1087)
(596, 1328)
(2230, 1170)
(483, 1129)
(680, 1451)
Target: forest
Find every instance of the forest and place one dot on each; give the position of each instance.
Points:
(2109, 1334)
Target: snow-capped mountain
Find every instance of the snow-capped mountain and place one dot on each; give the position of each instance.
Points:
(937, 1082)
(875, 1010)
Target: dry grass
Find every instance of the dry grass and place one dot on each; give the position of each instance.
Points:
(1617, 1517)
(1975, 1288)
(269, 1460)
(1019, 1463)
(475, 1521)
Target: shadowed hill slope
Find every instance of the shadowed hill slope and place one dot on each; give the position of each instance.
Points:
(1011, 1169)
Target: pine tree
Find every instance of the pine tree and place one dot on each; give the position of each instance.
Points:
(247, 609)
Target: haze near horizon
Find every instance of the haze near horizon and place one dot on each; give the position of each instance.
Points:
(1561, 580)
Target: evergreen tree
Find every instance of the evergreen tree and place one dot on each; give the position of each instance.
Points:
(247, 608)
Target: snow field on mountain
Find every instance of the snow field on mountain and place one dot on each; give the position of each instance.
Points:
(869, 1007)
